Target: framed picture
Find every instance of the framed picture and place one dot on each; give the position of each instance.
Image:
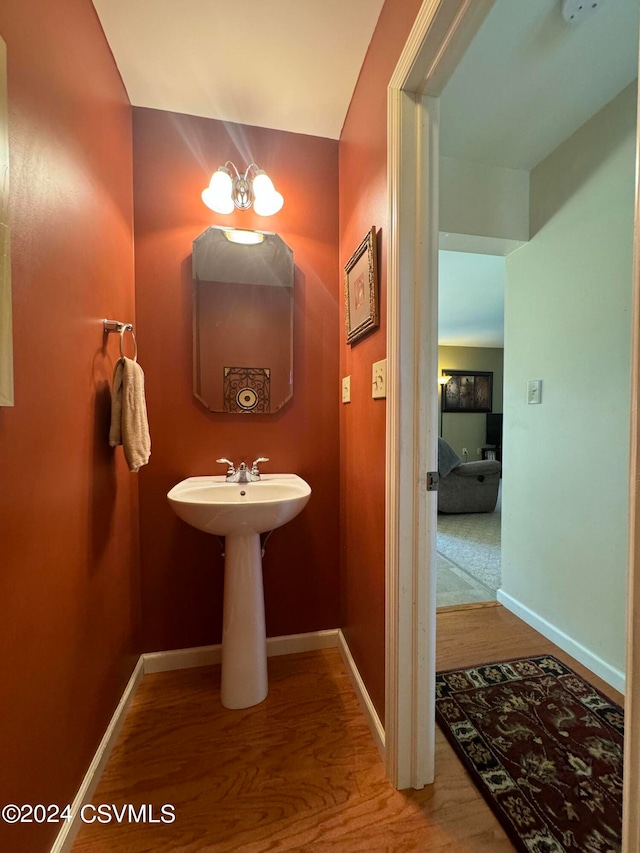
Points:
(361, 290)
(467, 391)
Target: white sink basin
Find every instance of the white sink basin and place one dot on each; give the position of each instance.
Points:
(215, 506)
(241, 512)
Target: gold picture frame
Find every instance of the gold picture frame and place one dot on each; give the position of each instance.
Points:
(362, 313)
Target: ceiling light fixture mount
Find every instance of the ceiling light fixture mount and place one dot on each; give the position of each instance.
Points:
(574, 11)
(229, 189)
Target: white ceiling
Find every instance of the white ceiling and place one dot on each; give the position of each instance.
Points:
(530, 79)
(527, 82)
(284, 64)
(471, 300)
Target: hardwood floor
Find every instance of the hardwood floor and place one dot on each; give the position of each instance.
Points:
(300, 771)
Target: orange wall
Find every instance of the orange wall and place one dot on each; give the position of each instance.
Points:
(363, 203)
(182, 568)
(68, 553)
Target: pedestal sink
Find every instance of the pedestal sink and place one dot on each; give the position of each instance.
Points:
(241, 512)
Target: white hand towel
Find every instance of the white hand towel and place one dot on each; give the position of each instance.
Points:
(129, 425)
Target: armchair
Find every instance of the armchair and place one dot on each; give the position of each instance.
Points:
(466, 486)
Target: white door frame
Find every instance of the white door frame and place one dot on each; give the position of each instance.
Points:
(440, 35)
(631, 792)
(442, 31)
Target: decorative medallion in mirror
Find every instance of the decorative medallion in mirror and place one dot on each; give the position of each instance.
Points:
(243, 287)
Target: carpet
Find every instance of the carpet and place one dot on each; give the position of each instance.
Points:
(472, 542)
(544, 748)
(455, 586)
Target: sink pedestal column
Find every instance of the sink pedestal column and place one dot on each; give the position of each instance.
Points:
(244, 643)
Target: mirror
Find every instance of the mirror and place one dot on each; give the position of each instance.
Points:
(6, 342)
(242, 321)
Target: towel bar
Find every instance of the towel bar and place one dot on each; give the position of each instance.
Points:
(118, 326)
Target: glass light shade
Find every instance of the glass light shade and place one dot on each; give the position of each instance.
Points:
(262, 184)
(247, 238)
(267, 205)
(219, 205)
(266, 200)
(217, 195)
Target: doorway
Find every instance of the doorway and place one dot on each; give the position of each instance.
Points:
(440, 37)
(470, 376)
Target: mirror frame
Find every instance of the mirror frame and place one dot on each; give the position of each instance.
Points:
(277, 268)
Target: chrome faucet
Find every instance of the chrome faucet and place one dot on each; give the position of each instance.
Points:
(255, 471)
(231, 468)
(242, 474)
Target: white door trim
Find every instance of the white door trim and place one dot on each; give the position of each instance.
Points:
(441, 33)
(410, 603)
(631, 792)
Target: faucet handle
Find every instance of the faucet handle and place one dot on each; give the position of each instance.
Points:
(255, 471)
(231, 467)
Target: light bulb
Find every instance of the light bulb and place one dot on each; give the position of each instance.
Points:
(217, 195)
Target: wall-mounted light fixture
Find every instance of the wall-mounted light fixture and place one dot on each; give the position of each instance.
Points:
(229, 189)
(246, 238)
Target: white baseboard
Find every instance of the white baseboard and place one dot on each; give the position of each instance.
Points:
(368, 708)
(209, 655)
(581, 653)
(206, 656)
(68, 831)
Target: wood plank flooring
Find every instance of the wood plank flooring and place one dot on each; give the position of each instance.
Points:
(300, 771)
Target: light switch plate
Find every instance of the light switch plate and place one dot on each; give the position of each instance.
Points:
(534, 391)
(346, 389)
(379, 379)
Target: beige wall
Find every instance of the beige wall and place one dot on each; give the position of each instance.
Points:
(480, 200)
(568, 322)
(468, 430)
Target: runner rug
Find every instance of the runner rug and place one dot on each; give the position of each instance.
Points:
(543, 746)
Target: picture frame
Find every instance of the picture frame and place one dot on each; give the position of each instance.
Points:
(468, 391)
(362, 312)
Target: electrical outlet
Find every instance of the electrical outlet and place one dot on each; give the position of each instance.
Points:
(465, 452)
(379, 379)
(346, 389)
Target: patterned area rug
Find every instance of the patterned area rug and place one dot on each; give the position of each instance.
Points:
(544, 748)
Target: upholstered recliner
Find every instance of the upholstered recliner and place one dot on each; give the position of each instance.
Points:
(466, 486)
